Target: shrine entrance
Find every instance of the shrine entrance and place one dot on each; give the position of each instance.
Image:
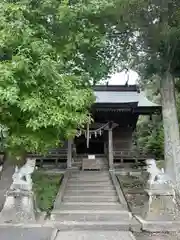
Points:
(96, 146)
(92, 141)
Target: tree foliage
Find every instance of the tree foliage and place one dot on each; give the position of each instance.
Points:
(50, 51)
(149, 131)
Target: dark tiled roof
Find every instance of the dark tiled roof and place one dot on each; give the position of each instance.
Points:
(121, 94)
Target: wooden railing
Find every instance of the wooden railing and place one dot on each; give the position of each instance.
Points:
(53, 154)
(131, 154)
(58, 157)
(54, 157)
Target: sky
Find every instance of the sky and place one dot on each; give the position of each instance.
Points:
(121, 78)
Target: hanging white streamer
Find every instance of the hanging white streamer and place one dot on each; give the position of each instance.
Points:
(88, 133)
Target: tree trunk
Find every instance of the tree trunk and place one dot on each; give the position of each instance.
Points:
(171, 128)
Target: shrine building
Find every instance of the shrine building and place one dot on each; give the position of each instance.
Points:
(107, 141)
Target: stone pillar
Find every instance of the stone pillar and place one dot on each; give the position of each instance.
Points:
(69, 154)
(110, 148)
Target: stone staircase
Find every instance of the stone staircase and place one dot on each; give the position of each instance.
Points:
(90, 202)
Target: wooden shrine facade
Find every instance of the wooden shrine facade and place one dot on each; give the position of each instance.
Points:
(115, 115)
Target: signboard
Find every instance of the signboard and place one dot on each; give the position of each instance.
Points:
(91, 157)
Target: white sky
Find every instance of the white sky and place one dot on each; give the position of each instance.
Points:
(121, 78)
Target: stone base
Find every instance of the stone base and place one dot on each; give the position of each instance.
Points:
(161, 212)
(21, 186)
(159, 226)
(19, 207)
(159, 189)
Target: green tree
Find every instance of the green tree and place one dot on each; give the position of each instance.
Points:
(149, 135)
(153, 42)
(159, 36)
(50, 53)
(149, 131)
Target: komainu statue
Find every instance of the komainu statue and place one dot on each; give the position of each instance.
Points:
(22, 176)
(156, 176)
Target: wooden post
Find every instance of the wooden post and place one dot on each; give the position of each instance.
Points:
(41, 162)
(73, 151)
(110, 148)
(69, 154)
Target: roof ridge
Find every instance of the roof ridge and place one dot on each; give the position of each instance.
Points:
(116, 88)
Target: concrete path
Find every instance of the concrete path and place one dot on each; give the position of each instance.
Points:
(48, 233)
(27, 233)
(95, 235)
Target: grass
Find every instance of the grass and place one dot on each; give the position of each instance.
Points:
(46, 187)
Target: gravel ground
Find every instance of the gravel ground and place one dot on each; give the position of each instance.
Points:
(133, 188)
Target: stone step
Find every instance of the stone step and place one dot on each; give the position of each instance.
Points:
(90, 198)
(90, 193)
(101, 206)
(92, 203)
(90, 173)
(93, 181)
(92, 225)
(90, 188)
(102, 173)
(77, 215)
(97, 176)
(88, 184)
(90, 178)
(95, 235)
